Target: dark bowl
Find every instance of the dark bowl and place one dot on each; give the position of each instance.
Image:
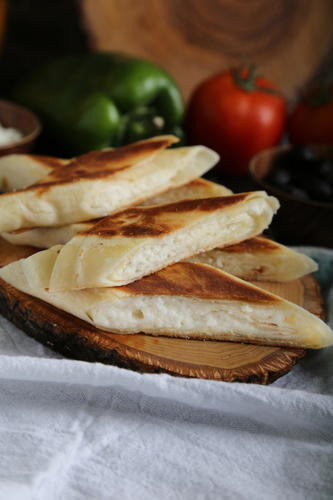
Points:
(298, 221)
(20, 118)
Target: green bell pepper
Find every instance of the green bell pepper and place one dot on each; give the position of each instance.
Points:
(98, 100)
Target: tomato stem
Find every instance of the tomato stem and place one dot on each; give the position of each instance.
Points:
(245, 78)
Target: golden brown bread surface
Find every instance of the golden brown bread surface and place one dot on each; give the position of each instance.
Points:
(259, 259)
(103, 182)
(252, 245)
(197, 280)
(139, 241)
(198, 188)
(159, 220)
(17, 171)
(50, 162)
(46, 237)
(100, 164)
(187, 300)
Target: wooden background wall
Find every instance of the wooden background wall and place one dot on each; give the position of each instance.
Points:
(290, 40)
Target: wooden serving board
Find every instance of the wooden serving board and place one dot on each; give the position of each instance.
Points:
(228, 361)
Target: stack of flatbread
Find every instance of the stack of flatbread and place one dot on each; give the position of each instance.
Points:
(136, 242)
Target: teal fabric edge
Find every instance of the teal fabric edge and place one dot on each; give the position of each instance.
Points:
(324, 259)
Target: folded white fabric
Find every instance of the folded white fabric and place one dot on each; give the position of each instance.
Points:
(76, 430)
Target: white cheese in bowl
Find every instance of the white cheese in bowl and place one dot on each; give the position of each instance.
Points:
(9, 135)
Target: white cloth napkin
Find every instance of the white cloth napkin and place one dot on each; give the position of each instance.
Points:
(74, 430)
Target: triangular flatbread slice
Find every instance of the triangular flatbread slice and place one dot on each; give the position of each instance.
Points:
(141, 240)
(46, 237)
(188, 300)
(103, 182)
(198, 188)
(259, 259)
(256, 259)
(19, 171)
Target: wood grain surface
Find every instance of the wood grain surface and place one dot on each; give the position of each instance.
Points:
(226, 361)
(290, 39)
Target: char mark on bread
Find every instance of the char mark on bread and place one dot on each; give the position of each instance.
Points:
(198, 280)
(252, 245)
(140, 222)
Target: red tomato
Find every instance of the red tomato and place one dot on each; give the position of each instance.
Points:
(237, 115)
(312, 119)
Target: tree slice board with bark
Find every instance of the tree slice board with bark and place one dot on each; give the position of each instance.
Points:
(226, 361)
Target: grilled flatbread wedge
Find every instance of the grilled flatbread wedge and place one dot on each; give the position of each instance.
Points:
(188, 300)
(46, 237)
(19, 171)
(139, 241)
(103, 182)
(259, 259)
(199, 188)
(256, 259)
